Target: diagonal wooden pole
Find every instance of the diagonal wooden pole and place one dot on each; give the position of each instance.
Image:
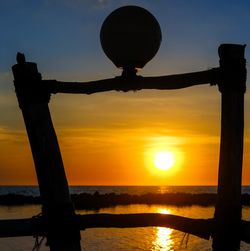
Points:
(232, 85)
(33, 100)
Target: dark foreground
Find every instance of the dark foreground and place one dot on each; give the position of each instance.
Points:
(96, 200)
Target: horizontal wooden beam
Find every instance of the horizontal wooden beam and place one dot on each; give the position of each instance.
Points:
(202, 228)
(134, 83)
(17, 228)
(198, 227)
(245, 231)
(36, 226)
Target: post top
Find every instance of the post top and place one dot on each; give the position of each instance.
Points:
(28, 85)
(232, 68)
(231, 51)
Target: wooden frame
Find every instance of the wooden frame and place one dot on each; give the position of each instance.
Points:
(61, 225)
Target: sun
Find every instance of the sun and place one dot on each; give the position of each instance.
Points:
(164, 160)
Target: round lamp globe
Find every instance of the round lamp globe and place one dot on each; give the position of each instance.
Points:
(130, 37)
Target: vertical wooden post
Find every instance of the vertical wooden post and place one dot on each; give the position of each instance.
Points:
(226, 236)
(57, 208)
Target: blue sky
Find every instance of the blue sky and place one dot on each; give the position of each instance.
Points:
(62, 37)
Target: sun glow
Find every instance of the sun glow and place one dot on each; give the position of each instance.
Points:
(164, 160)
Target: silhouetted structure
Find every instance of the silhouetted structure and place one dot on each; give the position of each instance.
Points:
(57, 208)
(232, 86)
(60, 224)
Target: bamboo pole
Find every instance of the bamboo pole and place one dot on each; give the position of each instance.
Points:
(135, 83)
(33, 100)
(232, 86)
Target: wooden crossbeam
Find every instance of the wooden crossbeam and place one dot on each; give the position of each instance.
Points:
(38, 225)
(135, 83)
(202, 228)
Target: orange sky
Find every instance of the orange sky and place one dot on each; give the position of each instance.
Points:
(108, 139)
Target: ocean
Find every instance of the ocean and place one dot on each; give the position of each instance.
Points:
(114, 239)
(138, 190)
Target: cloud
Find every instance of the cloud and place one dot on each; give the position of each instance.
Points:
(8, 136)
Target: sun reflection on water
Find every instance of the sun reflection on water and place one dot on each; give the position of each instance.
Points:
(163, 236)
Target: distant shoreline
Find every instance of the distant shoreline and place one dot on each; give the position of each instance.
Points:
(96, 201)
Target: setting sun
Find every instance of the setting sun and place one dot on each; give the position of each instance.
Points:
(164, 160)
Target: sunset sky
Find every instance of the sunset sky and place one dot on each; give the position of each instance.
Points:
(112, 138)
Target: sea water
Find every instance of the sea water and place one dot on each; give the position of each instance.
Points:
(146, 238)
(34, 190)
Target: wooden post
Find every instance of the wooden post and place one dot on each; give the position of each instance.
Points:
(57, 208)
(232, 85)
